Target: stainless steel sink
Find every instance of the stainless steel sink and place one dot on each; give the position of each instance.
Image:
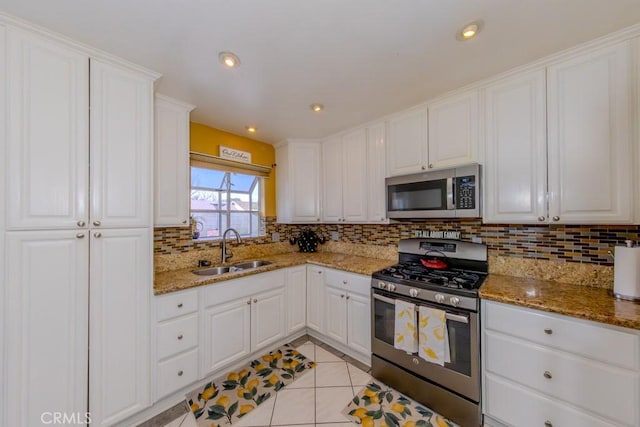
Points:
(251, 264)
(212, 271)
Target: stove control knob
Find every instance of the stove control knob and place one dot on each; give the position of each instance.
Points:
(454, 301)
(439, 298)
(413, 292)
(391, 287)
(382, 285)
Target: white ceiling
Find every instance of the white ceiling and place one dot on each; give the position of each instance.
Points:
(362, 59)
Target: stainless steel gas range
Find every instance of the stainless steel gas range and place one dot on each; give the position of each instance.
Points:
(441, 274)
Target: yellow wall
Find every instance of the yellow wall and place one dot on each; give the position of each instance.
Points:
(205, 139)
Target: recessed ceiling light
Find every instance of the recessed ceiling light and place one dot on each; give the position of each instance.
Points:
(229, 59)
(317, 107)
(469, 31)
(251, 129)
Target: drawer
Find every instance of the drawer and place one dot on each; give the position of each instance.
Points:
(517, 406)
(584, 338)
(175, 373)
(177, 335)
(348, 281)
(177, 304)
(606, 390)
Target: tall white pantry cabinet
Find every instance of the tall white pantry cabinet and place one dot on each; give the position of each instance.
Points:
(76, 232)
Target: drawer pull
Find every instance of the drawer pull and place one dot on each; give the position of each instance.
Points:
(548, 424)
(547, 375)
(180, 373)
(180, 336)
(180, 305)
(548, 331)
(255, 300)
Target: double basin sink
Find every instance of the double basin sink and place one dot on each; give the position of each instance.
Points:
(216, 271)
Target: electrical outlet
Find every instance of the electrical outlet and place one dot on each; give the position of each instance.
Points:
(335, 236)
(275, 237)
(476, 239)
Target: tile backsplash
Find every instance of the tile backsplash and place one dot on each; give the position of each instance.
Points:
(572, 243)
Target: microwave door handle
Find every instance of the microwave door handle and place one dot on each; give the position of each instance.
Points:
(450, 195)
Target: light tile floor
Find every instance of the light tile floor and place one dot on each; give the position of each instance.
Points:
(315, 399)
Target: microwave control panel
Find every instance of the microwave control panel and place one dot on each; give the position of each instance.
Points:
(466, 192)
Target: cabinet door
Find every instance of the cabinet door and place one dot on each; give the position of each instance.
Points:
(354, 173)
(359, 322)
(376, 164)
(296, 298)
(268, 318)
(590, 164)
(515, 168)
(171, 177)
(47, 133)
(407, 150)
(333, 182)
(121, 146)
(46, 335)
(227, 334)
(315, 298)
(305, 181)
(336, 314)
(453, 130)
(121, 286)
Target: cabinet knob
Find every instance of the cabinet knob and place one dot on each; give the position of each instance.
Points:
(548, 424)
(97, 223)
(80, 236)
(179, 305)
(423, 167)
(185, 221)
(381, 219)
(255, 300)
(249, 302)
(430, 165)
(180, 373)
(97, 235)
(548, 331)
(344, 282)
(319, 271)
(180, 336)
(347, 296)
(81, 223)
(547, 375)
(556, 218)
(541, 218)
(342, 296)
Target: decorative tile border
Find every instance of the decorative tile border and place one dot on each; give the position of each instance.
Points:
(572, 243)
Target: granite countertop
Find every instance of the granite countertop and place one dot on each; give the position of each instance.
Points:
(177, 280)
(583, 302)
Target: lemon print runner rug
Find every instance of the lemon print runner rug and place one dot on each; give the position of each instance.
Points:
(378, 405)
(225, 400)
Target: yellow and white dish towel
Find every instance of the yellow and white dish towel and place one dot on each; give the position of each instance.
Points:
(405, 332)
(433, 336)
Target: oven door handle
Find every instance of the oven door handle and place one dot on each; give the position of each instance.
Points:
(450, 316)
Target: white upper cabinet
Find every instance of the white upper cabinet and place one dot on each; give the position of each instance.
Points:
(376, 168)
(344, 166)
(298, 181)
(121, 146)
(47, 133)
(171, 154)
(407, 145)
(515, 167)
(333, 182)
(589, 138)
(453, 130)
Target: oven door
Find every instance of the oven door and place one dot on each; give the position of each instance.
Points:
(461, 375)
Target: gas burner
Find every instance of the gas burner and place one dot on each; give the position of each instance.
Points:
(447, 278)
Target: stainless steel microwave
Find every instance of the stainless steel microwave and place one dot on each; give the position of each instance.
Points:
(446, 193)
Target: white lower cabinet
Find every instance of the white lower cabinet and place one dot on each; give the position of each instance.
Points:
(296, 278)
(241, 316)
(561, 370)
(348, 309)
(315, 298)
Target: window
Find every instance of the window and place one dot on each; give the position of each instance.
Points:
(221, 199)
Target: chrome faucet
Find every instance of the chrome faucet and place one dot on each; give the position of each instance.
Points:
(227, 254)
